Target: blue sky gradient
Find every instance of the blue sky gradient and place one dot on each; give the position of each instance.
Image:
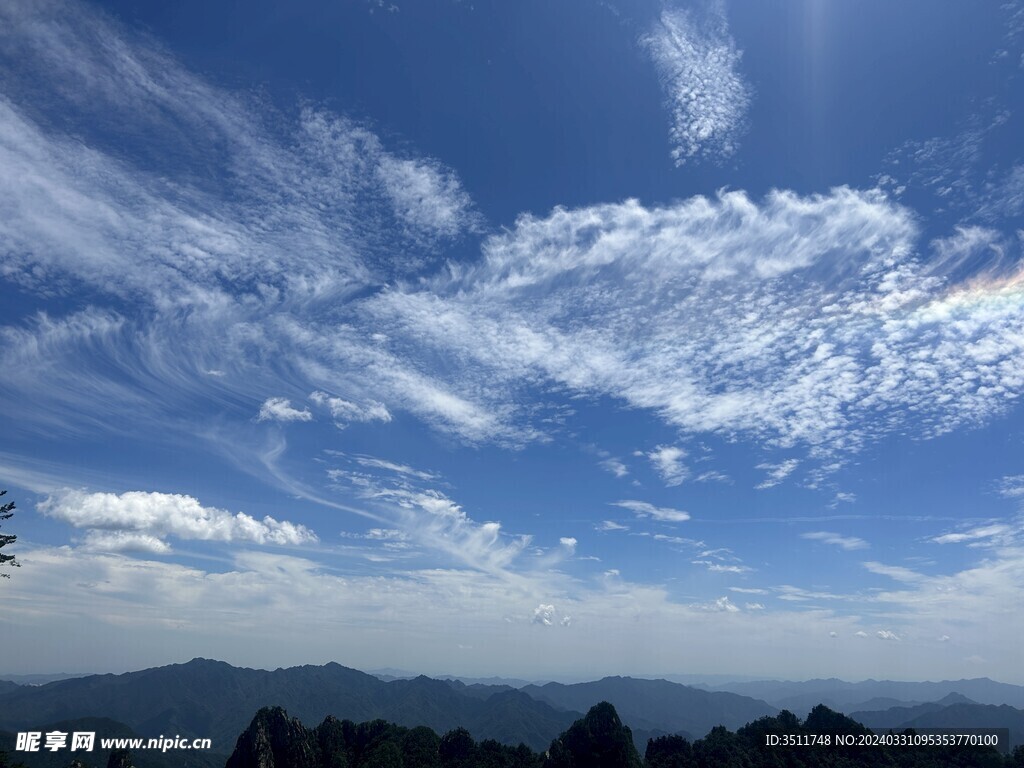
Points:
(539, 339)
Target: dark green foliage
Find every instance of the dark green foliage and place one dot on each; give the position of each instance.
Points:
(273, 740)
(457, 749)
(669, 752)
(420, 747)
(599, 740)
(6, 513)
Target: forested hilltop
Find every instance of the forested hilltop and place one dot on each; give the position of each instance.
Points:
(598, 740)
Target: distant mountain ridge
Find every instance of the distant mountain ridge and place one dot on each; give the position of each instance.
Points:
(954, 711)
(657, 704)
(212, 699)
(800, 697)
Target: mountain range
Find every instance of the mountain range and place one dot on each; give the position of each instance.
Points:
(212, 699)
(800, 697)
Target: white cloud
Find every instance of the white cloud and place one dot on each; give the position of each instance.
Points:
(568, 543)
(125, 541)
(790, 593)
(145, 610)
(722, 605)
(749, 590)
(610, 525)
(344, 412)
(430, 518)
(843, 542)
(678, 540)
(662, 514)
(884, 634)
(860, 633)
(1012, 486)
(714, 567)
(280, 409)
(427, 197)
(754, 606)
(402, 469)
(895, 572)
(776, 473)
(138, 520)
(668, 462)
(279, 283)
(833, 634)
(985, 533)
(544, 615)
(615, 466)
(707, 97)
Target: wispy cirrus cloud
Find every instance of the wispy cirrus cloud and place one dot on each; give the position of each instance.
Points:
(705, 93)
(662, 514)
(843, 542)
(777, 472)
(278, 282)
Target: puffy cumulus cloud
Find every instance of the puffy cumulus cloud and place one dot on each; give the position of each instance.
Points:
(544, 615)
(345, 412)
(860, 633)
(280, 409)
(668, 462)
(125, 541)
(568, 544)
(699, 68)
(835, 539)
(885, 634)
(721, 605)
(662, 514)
(139, 520)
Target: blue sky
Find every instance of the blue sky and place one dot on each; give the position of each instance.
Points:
(550, 339)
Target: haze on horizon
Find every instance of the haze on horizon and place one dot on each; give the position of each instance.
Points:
(536, 340)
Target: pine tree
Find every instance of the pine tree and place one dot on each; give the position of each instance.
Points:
(6, 512)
